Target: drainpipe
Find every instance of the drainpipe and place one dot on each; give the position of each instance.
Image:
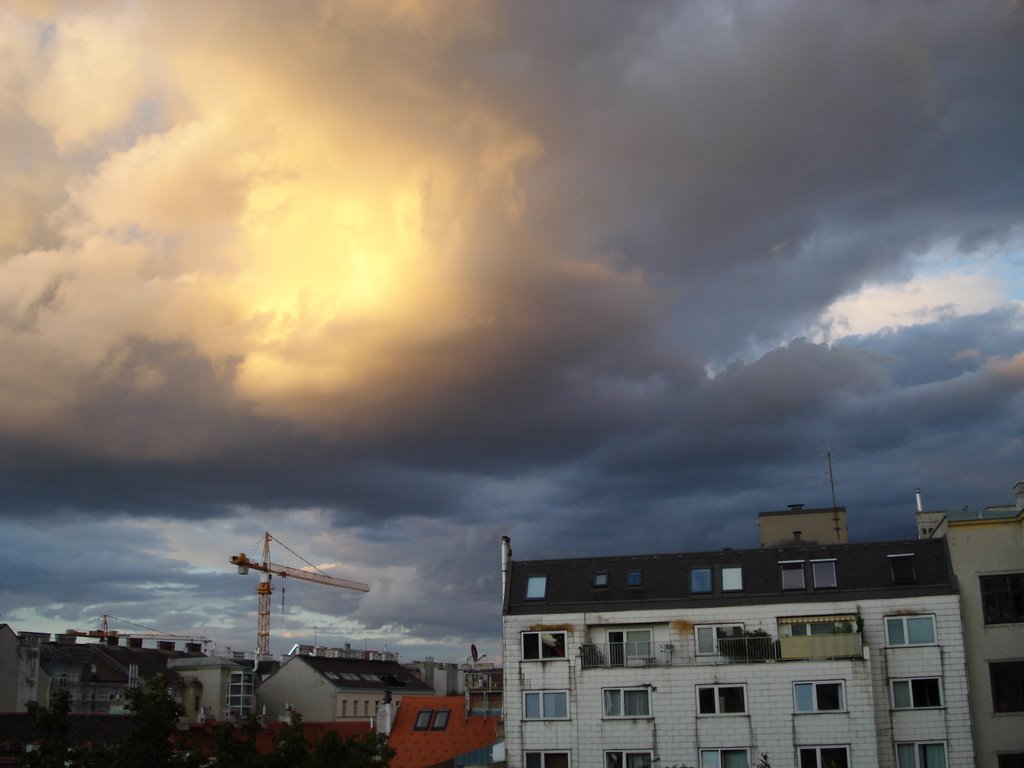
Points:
(506, 558)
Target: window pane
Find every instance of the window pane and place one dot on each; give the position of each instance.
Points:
(531, 705)
(830, 696)
(441, 720)
(531, 645)
(732, 579)
(905, 756)
(902, 569)
(422, 719)
(894, 628)
(638, 643)
(613, 760)
(901, 694)
(731, 700)
(792, 575)
(636, 703)
(552, 645)
(1007, 679)
(709, 759)
(637, 760)
(705, 639)
(834, 757)
(633, 578)
(612, 703)
(921, 630)
(734, 758)
(536, 587)
(804, 693)
(828, 628)
(933, 756)
(808, 758)
(700, 580)
(555, 705)
(824, 574)
(556, 760)
(533, 760)
(926, 692)
(706, 701)
(600, 579)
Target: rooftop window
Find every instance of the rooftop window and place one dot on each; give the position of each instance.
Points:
(700, 580)
(601, 579)
(634, 578)
(902, 569)
(441, 720)
(732, 579)
(793, 574)
(824, 574)
(423, 719)
(536, 587)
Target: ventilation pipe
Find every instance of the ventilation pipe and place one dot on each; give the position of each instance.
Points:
(917, 498)
(506, 558)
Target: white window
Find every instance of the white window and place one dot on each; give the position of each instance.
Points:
(792, 574)
(627, 702)
(824, 757)
(824, 573)
(910, 630)
(543, 645)
(546, 759)
(819, 697)
(536, 587)
(708, 636)
(601, 579)
(628, 647)
(916, 693)
(725, 758)
(622, 759)
(721, 699)
(921, 754)
(546, 705)
(732, 579)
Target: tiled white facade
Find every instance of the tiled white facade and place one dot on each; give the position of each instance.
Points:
(675, 734)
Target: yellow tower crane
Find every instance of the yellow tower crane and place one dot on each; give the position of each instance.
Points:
(264, 589)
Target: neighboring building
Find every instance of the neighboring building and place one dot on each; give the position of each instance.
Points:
(484, 689)
(214, 688)
(438, 732)
(22, 679)
(820, 656)
(325, 689)
(987, 550)
(825, 525)
(446, 678)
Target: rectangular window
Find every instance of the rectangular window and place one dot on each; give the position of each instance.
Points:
(422, 719)
(921, 755)
(700, 580)
(1015, 760)
(732, 579)
(902, 567)
(721, 699)
(824, 757)
(344, 707)
(627, 702)
(546, 759)
(793, 574)
(824, 574)
(819, 697)
(1007, 685)
(441, 720)
(1002, 598)
(709, 636)
(634, 579)
(601, 579)
(536, 587)
(619, 759)
(630, 647)
(546, 705)
(724, 758)
(910, 630)
(543, 645)
(916, 693)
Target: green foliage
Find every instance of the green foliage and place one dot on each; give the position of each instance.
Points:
(52, 725)
(155, 716)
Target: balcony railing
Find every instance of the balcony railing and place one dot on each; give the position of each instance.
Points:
(732, 650)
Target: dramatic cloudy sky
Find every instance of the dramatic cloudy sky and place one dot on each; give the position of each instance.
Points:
(392, 279)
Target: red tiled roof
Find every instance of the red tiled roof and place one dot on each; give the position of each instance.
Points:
(423, 749)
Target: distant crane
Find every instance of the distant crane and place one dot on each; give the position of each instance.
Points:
(265, 588)
(105, 632)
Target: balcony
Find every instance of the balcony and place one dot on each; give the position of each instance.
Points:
(843, 646)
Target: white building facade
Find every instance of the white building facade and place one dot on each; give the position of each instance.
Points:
(807, 656)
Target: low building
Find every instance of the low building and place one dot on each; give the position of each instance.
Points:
(214, 688)
(439, 732)
(22, 678)
(817, 656)
(324, 689)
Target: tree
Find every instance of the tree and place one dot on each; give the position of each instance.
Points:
(154, 720)
(53, 726)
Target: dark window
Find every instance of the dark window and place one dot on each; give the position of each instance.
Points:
(700, 580)
(423, 720)
(1002, 598)
(543, 645)
(1012, 761)
(633, 578)
(601, 579)
(1007, 685)
(793, 575)
(917, 693)
(547, 760)
(441, 720)
(721, 700)
(823, 757)
(902, 569)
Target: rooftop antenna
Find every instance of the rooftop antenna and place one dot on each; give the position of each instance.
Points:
(832, 484)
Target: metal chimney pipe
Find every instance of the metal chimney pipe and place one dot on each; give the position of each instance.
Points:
(506, 557)
(917, 497)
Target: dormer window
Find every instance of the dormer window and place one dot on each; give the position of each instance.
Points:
(902, 569)
(536, 587)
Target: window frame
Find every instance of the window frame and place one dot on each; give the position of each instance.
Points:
(817, 753)
(625, 754)
(541, 704)
(417, 725)
(917, 746)
(601, 580)
(535, 578)
(801, 569)
(635, 577)
(906, 633)
(831, 561)
(738, 569)
(543, 754)
(1009, 610)
(909, 682)
(816, 708)
(718, 699)
(715, 638)
(702, 569)
(541, 646)
(441, 718)
(622, 691)
(898, 579)
(1000, 679)
(719, 751)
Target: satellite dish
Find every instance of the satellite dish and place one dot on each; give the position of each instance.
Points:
(473, 652)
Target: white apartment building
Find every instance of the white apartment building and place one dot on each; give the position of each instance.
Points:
(814, 656)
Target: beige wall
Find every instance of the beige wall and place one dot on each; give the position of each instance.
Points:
(21, 678)
(815, 525)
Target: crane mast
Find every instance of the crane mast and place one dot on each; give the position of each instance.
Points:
(264, 589)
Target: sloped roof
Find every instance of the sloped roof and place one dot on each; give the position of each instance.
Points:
(112, 662)
(862, 573)
(364, 674)
(424, 749)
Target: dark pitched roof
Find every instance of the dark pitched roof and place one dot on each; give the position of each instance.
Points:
(364, 673)
(111, 663)
(862, 572)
